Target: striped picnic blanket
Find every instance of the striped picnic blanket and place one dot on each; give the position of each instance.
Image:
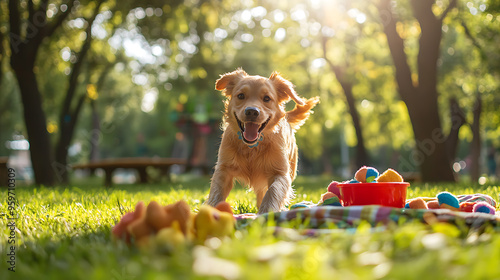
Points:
(343, 217)
(477, 197)
(349, 217)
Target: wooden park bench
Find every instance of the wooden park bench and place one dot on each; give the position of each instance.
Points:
(140, 164)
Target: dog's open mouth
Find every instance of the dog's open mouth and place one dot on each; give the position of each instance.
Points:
(251, 130)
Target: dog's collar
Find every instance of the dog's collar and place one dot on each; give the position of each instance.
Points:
(256, 143)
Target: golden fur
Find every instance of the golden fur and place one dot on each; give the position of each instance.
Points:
(268, 165)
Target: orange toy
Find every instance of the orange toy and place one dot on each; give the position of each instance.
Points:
(174, 223)
(390, 175)
(418, 203)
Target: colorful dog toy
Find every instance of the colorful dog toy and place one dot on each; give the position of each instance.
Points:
(483, 207)
(332, 196)
(366, 174)
(174, 224)
(479, 203)
(448, 201)
(390, 175)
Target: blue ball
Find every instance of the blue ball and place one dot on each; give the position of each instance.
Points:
(332, 201)
(371, 174)
(483, 207)
(353, 181)
(448, 198)
(299, 205)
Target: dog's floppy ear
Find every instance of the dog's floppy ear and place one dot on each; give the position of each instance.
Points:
(227, 81)
(285, 89)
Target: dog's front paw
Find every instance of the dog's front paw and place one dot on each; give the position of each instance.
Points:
(212, 202)
(268, 208)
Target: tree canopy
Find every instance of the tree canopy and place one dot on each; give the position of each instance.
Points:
(136, 78)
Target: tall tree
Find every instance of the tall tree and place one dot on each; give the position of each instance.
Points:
(25, 38)
(485, 41)
(2, 55)
(420, 95)
(2, 39)
(347, 85)
(69, 114)
(475, 152)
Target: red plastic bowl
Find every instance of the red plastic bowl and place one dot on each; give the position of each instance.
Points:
(385, 194)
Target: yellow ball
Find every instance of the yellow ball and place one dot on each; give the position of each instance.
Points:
(390, 175)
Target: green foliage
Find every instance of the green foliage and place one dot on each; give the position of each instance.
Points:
(186, 45)
(468, 68)
(64, 233)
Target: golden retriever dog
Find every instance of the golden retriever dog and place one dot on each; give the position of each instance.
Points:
(258, 144)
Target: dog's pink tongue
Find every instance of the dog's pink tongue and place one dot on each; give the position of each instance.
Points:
(251, 131)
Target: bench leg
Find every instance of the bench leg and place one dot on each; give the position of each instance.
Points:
(4, 175)
(108, 180)
(143, 175)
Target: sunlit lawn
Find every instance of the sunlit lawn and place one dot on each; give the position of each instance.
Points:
(64, 233)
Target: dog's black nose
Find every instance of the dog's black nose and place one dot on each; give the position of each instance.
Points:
(251, 113)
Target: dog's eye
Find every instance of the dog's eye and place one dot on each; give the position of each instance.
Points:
(267, 98)
(241, 96)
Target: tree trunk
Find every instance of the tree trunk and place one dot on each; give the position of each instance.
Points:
(66, 135)
(457, 121)
(475, 152)
(23, 56)
(95, 134)
(420, 97)
(361, 153)
(68, 117)
(36, 124)
(24, 45)
(430, 153)
(2, 56)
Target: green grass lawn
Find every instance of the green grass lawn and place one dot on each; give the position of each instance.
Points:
(64, 233)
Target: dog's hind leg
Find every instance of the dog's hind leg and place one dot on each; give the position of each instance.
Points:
(221, 185)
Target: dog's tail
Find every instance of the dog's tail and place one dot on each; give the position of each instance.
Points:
(300, 113)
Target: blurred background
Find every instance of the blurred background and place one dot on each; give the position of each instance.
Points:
(411, 85)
